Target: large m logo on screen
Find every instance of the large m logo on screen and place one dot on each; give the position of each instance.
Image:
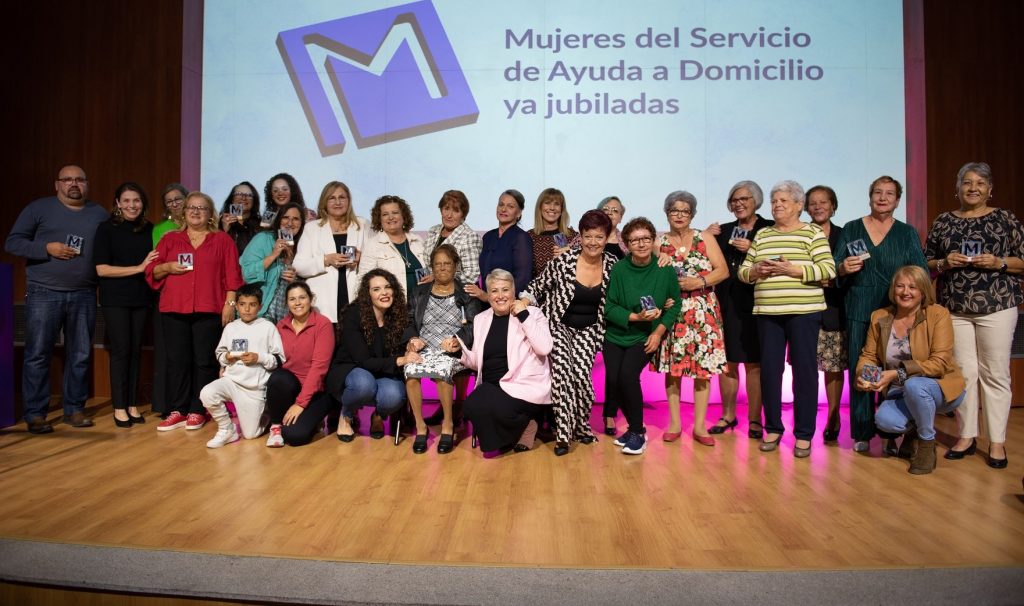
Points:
(393, 72)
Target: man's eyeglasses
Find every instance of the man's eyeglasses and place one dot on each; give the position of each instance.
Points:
(72, 180)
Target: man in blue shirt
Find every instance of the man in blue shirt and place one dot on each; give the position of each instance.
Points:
(55, 236)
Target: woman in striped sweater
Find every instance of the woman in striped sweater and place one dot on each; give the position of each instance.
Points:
(787, 263)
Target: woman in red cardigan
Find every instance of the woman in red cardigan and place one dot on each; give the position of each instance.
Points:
(296, 402)
(197, 273)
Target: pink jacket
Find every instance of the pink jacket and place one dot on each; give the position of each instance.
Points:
(529, 343)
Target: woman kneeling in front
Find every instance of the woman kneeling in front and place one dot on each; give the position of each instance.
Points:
(912, 341)
(511, 343)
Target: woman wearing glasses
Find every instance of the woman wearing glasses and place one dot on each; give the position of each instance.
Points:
(638, 290)
(242, 225)
(197, 274)
(173, 198)
(694, 347)
(742, 345)
(612, 206)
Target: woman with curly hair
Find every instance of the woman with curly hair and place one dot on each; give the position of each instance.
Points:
(281, 189)
(392, 246)
(368, 363)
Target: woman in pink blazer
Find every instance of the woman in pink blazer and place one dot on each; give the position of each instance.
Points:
(511, 343)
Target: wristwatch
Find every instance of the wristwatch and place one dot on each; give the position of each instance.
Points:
(1003, 267)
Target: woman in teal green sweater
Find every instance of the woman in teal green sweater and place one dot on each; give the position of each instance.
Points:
(642, 303)
(890, 244)
(267, 261)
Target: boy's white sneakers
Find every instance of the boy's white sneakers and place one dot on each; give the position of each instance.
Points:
(223, 437)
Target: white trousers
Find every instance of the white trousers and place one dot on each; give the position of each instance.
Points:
(249, 404)
(982, 348)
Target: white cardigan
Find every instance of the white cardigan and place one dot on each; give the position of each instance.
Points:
(379, 252)
(317, 241)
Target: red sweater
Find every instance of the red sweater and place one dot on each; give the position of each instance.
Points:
(308, 353)
(205, 288)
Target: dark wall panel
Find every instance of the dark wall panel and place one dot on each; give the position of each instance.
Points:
(95, 83)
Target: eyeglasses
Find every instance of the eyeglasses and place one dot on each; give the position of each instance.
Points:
(243, 195)
(641, 240)
(741, 200)
(608, 210)
(680, 212)
(174, 201)
(197, 209)
(72, 180)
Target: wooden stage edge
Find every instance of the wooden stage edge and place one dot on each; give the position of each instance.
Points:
(679, 507)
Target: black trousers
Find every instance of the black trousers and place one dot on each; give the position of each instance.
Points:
(190, 341)
(498, 418)
(800, 332)
(622, 368)
(124, 341)
(282, 389)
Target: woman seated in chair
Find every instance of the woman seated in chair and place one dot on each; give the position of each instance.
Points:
(367, 367)
(510, 348)
(440, 309)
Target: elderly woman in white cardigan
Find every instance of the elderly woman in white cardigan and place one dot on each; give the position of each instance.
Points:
(329, 251)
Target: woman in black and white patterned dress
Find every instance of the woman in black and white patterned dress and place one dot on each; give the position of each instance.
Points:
(571, 291)
(440, 310)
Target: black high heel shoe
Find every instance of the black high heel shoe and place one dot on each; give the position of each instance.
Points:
(561, 449)
(718, 429)
(831, 435)
(139, 420)
(610, 431)
(419, 445)
(997, 463)
(755, 434)
(446, 443)
(126, 423)
(956, 455)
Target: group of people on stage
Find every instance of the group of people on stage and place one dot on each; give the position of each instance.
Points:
(298, 316)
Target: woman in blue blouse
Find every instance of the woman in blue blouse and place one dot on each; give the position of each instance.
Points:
(507, 246)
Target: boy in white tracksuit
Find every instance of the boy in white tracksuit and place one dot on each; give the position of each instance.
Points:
(250, 347)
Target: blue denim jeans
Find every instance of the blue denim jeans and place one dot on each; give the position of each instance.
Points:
(362, 388)
(921, 399)
(46, 313)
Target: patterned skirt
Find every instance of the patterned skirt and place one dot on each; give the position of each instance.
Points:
(694, 346)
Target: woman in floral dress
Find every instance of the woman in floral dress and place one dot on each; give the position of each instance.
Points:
(694, 346)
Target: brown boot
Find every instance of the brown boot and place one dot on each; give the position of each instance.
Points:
(906, 450)
(924, 458)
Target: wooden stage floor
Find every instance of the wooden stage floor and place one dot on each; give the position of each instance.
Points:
(679, 506)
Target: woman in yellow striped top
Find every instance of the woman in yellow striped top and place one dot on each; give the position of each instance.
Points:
(787, 263)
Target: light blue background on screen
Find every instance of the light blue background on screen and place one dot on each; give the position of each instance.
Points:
(843, 130)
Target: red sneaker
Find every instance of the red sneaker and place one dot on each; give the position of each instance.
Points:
(173, 421)
(195, 420)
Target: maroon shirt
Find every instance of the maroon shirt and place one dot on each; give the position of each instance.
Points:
(205, 288)
(308, 353)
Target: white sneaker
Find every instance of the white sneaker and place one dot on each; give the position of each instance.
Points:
(223, 437)
(274, 440)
